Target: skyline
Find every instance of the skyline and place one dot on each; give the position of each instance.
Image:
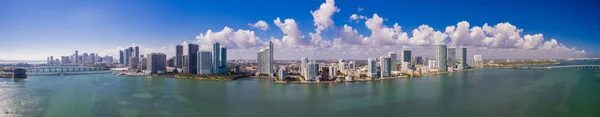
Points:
(313, 29)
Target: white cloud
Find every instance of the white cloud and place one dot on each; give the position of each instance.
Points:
(262, 25)
(292, 37)
(359, 9)
(380, 34)
(322, 21)
(357, 18)
(230, 38)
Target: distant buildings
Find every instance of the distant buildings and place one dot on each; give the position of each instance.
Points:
(282, 73)
(342, 65)
(351, 65)
(137, 51)
(133, 63)
(157, 63)
(406, 56)
(205, 62)
(441, 58)
(265, 60)
(20, 73)
(386, 66)
(121, 57)
(191, 61)
(451, 57)
(303, 62)
(478, 59)
(325, 73)
(463, 59)
(332, 71)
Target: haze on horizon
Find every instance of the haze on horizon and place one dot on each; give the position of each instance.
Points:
(317, 29)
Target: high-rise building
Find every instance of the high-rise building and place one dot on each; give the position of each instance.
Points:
(127, 56)
(77, 56)
(406, 66)
(425, 61)
(324, 73)
(92, 58)
(406, 56)
(223, 67)
(342, 65)
(386, 66)
(351, 65)
(133, 63)
(431, 64)
(157, 63)
(463, 58)
(137, 51)
(192, 58)
(144, 62)
(303, 62)
(332, 71)
(121, 57)
(205, 62)
(282, 73)
(265, 60)
(185, 67)
(179, 56)
(312, 71)
(418, 60)
(451, 57)
(372, 67)
(393, 56)
(441, 58)
(478, 59)
(216, 57)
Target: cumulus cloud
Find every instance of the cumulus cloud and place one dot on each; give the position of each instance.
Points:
(292, 36)
(380, 34)
(322, 21)
(230, 38)
(357, 18)
(262, 25)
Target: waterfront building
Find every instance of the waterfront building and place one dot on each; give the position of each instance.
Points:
(441, 57)
(170, 62)
(282, 73)
(312, 70)
(144, 62)
(192, 50)
(431, 64)
(451, 57)
(463, 58)
(342, 65)
(478, 61)
(406, 56)
(204, 62)
(219, 59)
(394, 61)
(418, 60)
(325, 74)
(121, 57)
(133, 63)
(223, 67)
(386, 66)
(179, 56)
(265, 60)
(351, 65)
(372, 67)
(425, 61)
(332, 71)
(303, 62)
(406, 66)
(20, 73)
(185, 68)
(157, 63)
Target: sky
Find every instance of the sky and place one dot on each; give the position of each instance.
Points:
(317, 29)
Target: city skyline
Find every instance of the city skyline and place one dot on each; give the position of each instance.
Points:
(314, 29)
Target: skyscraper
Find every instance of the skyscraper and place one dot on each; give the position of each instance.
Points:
(332, 71)
(121, 57)
(179, 56)
(312, 71)
(372, 67)
(406, 56)
(192, 58)
(478, 61)
(303, 62)
(137, 51)
(223, 67)
(451, 57)
(394, 60)
(441, 59)
(204, 62)
(386, 66)
(157, 63)
(76, 56)
(463, 58)
(342, 65)
(265, 60)
(216, 57)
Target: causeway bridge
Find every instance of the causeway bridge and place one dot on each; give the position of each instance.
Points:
(575, 67)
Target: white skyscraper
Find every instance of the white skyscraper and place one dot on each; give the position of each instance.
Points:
(303, 62)
(406, 66)
(332, 71)
(372, 67)
(265, 60)
(394, 61)
(386, 66)
(205, 65)
(431, 64)
(282, 73)
(351, 65)
(342, 65)
(312, 71)
(478, 59)
(441, 58)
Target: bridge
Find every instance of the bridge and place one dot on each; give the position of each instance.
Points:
(575, 67)
(67, 73)
(60, 69)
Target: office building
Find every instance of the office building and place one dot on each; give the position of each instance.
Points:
(385, 66)
(192, 55)
(372, 67)
(451, 57)
(179, 56)
(265, 60)
(157, 63)
(205, 62)
(121, 57)
(441, 58)
(406, 56)
(463, 58)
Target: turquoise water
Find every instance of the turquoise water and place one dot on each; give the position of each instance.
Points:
(487, 93)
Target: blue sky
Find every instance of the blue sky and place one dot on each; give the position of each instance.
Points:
(34, 29)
